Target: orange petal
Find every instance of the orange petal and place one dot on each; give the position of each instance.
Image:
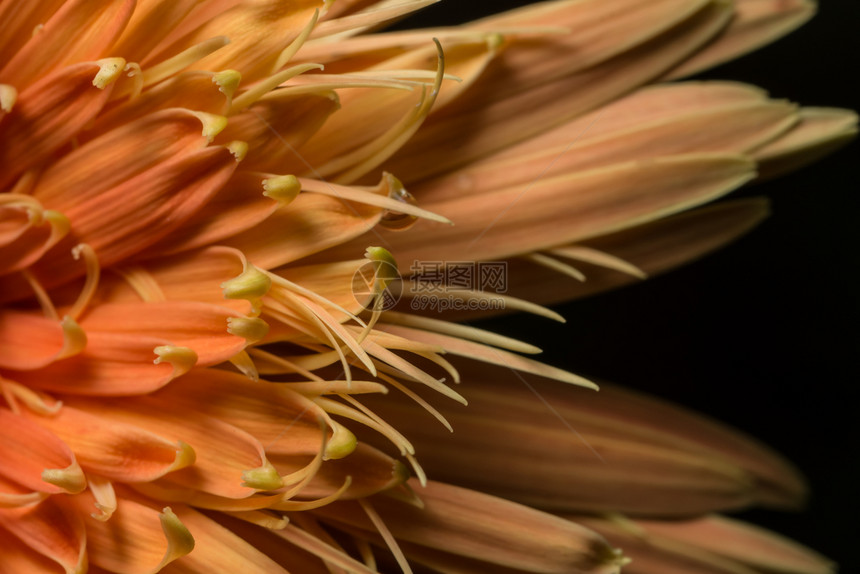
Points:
(320, 221)
(31, 341)
(197, 326)
(224, 453)
(258, 32)
(79, 30)
(136, 203)
(54, 529)
(276, 127)
(138, 539)
(18, 557)
(47, 116)
(26, 233)
(114, 449)
(36, 458)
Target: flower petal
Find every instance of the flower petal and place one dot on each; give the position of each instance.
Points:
(36, 458)
(755, 24)
(469, 524)
(80, 30)
(114, 449)
(54, 529)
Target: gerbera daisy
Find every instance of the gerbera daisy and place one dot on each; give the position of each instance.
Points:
(189, 188)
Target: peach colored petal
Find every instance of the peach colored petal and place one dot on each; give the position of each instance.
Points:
(219, 550)
(745, 543)
(595, 452)
(151, 22)
(756, 23)
(237, 207)
(819, 132)
(36, 458)
(568, 208)
(470, 524)
(19, 558)
(595, 31)
(198, 326)
(369, 471)
(258, 33)
(195, 90)
(707, 545)
(224, 453)
(111, 365)
(30, 341)
(80, 30)
(277, 126)
(653, 247)
(20, 18)
(52, 528)
(124, 220)
(26, 233)
(47, 115)
(509, 120)
(321, 222)
(282, 420)
(114, 449)
(734, 129)
(138, 539)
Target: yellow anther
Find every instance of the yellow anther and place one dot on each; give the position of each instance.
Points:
(185, 456)
(252, 329)
(227, 82)
(212, 124)
(283, 188)
(179, 539)
(384, 265)
(109, 71)
(251, 284)
(341, 444)
(239, 149)
(182, 359)
(74, 338)
(71, 479)
(8, 97)
(264, 478)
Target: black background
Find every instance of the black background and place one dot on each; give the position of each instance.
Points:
(763, 334)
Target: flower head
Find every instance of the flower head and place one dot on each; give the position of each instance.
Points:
(190, 375)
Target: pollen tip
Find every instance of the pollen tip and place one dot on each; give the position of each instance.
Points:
(252, 329)
(283, 188)
(71, 479)
(74, 338)
(251, 284)
(8, 97)
(109, 70)
(227, 82)
(341, 444)
(185, 456)
(239, 149)
(182, 359)
(213, 124)
(179, 540)
(265, 477)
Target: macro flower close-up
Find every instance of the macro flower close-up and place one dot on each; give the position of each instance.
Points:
(243, 244)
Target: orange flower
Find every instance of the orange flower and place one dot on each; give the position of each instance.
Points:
(187, 191)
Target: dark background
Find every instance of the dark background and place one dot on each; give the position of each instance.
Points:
(763, 334)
